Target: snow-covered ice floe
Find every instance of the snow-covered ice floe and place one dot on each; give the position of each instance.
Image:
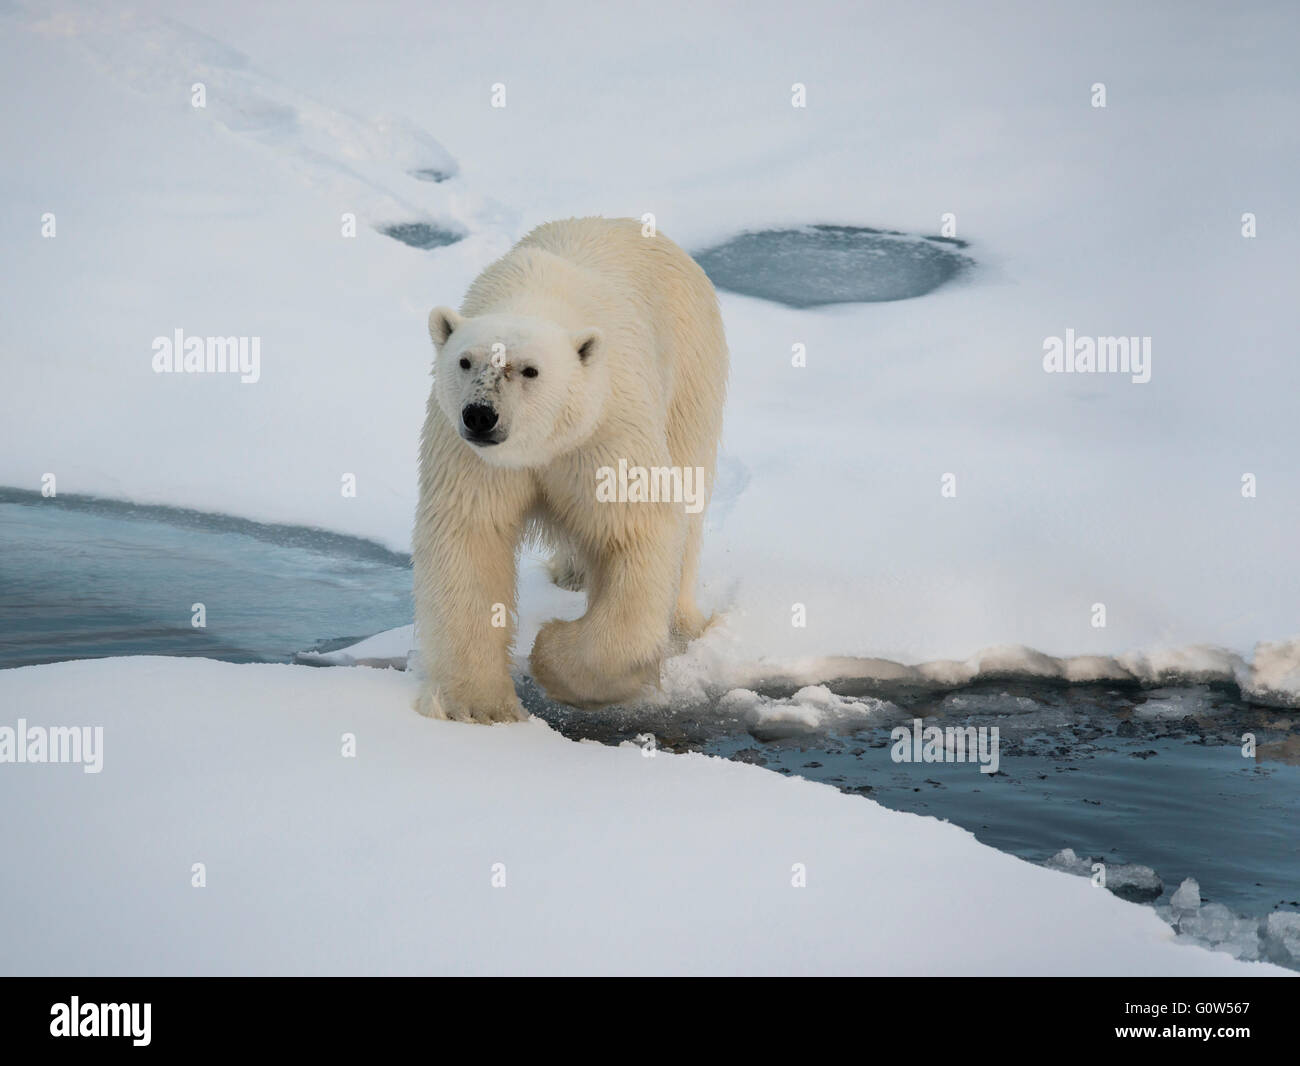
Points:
(447, 848)
(390, 649)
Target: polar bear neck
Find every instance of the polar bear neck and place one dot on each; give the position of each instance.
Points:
(538, 284)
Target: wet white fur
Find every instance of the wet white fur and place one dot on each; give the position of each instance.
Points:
(648, 388)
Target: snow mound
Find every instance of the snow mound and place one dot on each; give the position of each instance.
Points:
(811, 709)
(390, 649)
(1274, 676)
(161, 57)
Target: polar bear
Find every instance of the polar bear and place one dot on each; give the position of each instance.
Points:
(589, 350)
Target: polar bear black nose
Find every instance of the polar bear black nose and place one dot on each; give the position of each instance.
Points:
(478, 418)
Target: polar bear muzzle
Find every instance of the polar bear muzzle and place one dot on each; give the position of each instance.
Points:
(478, 422)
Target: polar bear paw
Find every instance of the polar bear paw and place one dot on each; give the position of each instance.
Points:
(563, 664)
(503, 708)
(566, 572)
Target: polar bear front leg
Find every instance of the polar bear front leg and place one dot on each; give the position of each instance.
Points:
(616, 649)
(465, 609)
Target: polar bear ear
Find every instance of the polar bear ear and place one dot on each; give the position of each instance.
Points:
(588, 342)
(443, 321)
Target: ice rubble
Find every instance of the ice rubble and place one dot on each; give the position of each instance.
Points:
(1275, 937)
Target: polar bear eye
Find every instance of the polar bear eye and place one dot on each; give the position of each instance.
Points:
(464, 363)
(530, 371)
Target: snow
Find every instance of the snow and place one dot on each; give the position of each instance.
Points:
(614, 862)
(1274, 676)
(812, 708)
(391, 648)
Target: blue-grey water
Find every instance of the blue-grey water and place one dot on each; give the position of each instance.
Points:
(1121, 775)
(817, 265)
(1118, 773)
(422, 235)
(82, 578)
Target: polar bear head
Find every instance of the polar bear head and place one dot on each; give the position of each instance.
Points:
(521, 391)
